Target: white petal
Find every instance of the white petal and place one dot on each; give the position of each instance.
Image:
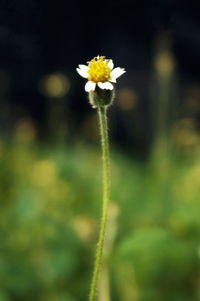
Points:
(106, 85)
(117, 72)
(90, 86)
(112, 80)
(82, 73)
(110, 64)
(84, 67)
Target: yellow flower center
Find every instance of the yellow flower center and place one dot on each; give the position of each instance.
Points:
(99, 70)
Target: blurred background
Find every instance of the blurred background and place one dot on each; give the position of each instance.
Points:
(50, 156)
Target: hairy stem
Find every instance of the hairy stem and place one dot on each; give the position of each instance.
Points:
(102, 112)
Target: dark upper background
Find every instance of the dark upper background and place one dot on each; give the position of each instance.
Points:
(45, 37)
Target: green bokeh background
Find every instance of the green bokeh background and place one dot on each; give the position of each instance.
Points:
(50, 211)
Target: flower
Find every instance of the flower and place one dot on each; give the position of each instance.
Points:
(100, 72)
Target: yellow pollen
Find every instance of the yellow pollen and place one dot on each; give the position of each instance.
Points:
(99, 70)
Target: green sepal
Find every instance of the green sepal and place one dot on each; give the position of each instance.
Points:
(101, 97)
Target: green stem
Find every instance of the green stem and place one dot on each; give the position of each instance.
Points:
(105, 152)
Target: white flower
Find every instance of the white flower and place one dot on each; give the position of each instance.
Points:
(100, 72)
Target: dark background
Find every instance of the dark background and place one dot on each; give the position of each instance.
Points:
(44, 37)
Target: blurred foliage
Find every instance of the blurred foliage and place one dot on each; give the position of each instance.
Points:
(50, 210)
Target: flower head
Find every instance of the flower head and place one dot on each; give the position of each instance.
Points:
(99, 72)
